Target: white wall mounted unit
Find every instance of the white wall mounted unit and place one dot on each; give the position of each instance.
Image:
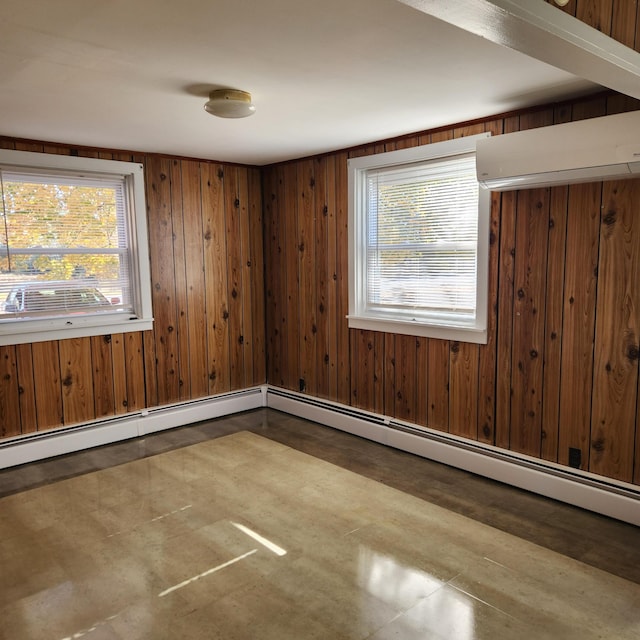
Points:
(604, 148)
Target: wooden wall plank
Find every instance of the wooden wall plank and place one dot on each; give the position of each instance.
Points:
(343, 370)
(364, 364)
(528, 321)
(553, 322)
(26, 389)
(246, 272)
(378, 372)
(47, 384)
(321, 269)
(506, 276)
(389, 384)
(438, 385)
(580, 282)
(120, 378)
(422, 371)
(102, 378)
(333, 319)
(273, 277)
(134, 362)
(617, 348)
(180, 279)
(77, 390)
(463, 389)
(9, 405)
(256, 277)
(307, 278)
(196, 357)
(150, 368)
(292, 330)
(157, 174)
(216, 269)
(636, 457)
(406, 378)
(234, 273)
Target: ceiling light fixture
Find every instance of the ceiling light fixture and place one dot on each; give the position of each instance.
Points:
(562, 3)
(230, 103)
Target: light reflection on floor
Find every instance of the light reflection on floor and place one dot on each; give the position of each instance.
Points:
(392, 582)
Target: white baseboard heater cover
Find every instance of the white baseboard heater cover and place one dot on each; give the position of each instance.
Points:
(589, 491)
(47, 444)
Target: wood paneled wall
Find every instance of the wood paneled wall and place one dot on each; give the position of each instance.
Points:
(206, 252)
(560, 369)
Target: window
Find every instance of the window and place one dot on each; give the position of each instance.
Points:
(419, 242)
(73, 248)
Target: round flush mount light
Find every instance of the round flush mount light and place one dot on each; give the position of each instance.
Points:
(562, 3)
(230, 103)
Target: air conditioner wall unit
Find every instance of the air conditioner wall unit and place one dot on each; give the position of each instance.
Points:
(604, 148)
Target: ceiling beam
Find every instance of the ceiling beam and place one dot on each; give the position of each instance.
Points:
(544, 32)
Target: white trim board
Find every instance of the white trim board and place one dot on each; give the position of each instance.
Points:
(589, 491)
(47, 444)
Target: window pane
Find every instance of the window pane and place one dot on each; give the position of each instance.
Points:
(63, 245)
(422, 232)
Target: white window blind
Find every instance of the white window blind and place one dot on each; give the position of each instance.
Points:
(422, 237)
(63, 245)
(418, 242)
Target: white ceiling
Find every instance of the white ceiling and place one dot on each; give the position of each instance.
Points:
(134, 74)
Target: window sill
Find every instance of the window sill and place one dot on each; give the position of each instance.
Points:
(420, 329)
(23, 332)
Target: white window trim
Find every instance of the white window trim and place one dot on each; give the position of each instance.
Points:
(446, 329)
(24, 331)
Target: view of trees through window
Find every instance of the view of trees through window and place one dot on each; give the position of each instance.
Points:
(62, 230)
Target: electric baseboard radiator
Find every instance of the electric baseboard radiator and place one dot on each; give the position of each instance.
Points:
(47, 444)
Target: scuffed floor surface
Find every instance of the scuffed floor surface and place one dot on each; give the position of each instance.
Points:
(242, 537)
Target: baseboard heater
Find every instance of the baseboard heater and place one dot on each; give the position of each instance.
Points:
(608, 497)
(46, 444)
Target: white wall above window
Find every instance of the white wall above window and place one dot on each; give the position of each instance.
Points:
(419, 242)
(74, 257)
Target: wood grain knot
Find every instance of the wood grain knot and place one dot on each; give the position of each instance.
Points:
(633, 353)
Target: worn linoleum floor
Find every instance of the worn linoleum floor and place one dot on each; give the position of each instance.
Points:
(266, 526)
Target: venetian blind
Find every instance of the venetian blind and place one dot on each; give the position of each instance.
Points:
(422, 233)
(64, 247)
